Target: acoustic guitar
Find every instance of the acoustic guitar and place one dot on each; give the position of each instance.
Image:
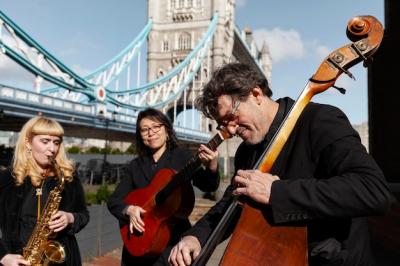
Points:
(169, 196)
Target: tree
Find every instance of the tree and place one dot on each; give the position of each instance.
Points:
(93, 149)
(131, 149)
(74, 150)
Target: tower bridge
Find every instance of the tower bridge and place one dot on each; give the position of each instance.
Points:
(185, 40)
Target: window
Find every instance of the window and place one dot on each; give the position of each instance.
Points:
(205, 73)
(165, 47)
(172, 4)
(181, 3)
(184, 41)
(160, 73)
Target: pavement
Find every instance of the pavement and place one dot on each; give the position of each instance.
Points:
(385, 231)
(113, 258)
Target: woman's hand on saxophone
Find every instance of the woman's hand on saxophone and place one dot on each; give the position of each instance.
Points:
(60, 220)
(13, 260)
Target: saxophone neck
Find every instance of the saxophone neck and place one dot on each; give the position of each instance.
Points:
(59, 171)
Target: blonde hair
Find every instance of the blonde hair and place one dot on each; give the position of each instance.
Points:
(25, 165)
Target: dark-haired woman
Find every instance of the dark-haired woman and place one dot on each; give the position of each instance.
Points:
(157, 149)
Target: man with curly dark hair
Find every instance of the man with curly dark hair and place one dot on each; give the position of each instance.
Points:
(323, 177)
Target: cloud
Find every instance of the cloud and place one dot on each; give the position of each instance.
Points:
(316, 50)
(80, 70)
(76, 43)
(241, 3)
(13, 74)
(283, 44)
(322, 51)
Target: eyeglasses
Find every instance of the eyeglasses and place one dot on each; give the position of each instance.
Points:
(231, 116)
(146, 130)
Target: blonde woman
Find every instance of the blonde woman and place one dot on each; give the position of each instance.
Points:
(24, 188)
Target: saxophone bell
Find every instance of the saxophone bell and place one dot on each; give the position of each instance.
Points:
(54, 252)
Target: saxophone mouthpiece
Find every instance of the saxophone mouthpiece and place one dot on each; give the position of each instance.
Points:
(52, 159)
(59, 171)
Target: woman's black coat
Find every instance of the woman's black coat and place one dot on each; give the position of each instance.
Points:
(12, 198)
(140, 172)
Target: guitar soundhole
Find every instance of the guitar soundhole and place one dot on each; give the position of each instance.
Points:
(137, 233)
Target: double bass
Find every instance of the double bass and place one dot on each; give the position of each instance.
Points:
(287, 244)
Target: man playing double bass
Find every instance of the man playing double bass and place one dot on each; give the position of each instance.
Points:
(323, 177)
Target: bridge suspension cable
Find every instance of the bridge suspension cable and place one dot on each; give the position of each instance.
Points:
(19, 46)
(101, 91)
(23, 49)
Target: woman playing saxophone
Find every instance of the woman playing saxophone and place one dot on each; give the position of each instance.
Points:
(40, 189)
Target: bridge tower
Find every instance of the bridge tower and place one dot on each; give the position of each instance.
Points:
(178, 25)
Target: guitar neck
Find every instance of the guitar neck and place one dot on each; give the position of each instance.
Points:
(187, 171)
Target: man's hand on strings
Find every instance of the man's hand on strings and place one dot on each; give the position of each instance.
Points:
(185, 251)
(254, 184)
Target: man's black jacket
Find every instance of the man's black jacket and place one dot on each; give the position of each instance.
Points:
(328, 181)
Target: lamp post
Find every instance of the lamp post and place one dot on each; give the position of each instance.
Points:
(105, 151)
(103, 170)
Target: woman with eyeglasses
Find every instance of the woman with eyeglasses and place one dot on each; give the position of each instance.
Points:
(157, 148)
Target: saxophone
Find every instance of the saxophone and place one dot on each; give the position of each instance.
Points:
(40, 250)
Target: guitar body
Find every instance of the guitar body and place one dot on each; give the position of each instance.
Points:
(158, 220)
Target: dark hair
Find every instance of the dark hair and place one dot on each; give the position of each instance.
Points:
(158, 116)
(231, 79)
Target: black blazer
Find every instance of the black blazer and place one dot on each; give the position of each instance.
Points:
(328, 181)
(139, 173)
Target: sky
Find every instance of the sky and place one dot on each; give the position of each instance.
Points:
(85, 34)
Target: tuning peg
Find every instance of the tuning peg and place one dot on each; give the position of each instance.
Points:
(336, 60)
(359, 47)
(348, 73)
(340, 89)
